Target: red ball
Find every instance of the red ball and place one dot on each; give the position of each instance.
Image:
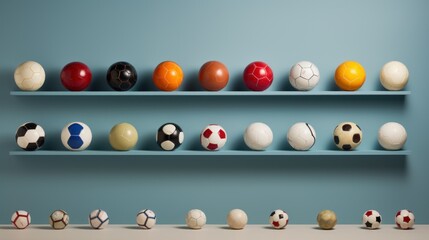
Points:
(258, 76)
(76, 76)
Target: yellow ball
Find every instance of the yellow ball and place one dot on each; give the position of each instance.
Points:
(327, 219)
(123, 136)
(350, 76)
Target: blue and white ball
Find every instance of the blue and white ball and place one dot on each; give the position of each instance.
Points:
(76, 136)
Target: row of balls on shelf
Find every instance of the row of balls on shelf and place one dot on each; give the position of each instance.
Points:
(213, 76)
(196, 219)
(257, 136)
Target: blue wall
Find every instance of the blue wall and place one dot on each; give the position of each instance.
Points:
(191, 32)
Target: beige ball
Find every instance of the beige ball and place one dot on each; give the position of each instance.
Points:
(237, 219)
(29, 76)
(327, 219)
(123, 136)
(394, 76)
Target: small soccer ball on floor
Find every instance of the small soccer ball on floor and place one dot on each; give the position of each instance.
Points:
(76, 136)
(30, 136)
(196, 219)
(146, 219)
(347, 136)
(404, 219)
(394, 76)
(237, 219)
(123, 136)
(170, 136)
(301, 136)
(213, 137)
(371, 219)
(98, 219)
(279, 219)
(258, 136)
(167, 76)
(327, 219)
(392, 136)
(258, 76)
(121, 76)
(29, 76)
(21, 219)
(304, 76)
(59, 219)
(350, 76)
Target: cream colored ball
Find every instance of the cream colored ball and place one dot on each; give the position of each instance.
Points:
(392, 136)
(237, 219)
(394, 76)
(327, 219)
(123, 137)
(29, 76)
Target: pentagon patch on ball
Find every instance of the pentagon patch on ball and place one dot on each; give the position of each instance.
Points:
(30, 136)
(170, 136)
(146, 219)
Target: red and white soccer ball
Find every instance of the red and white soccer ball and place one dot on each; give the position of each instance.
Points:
(213, 137)
(404, 219)
(371, 219)
(21, 219)
(279, 219)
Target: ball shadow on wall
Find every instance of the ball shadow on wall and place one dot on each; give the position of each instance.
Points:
(236, 82)
(191, 82)
(99, 81)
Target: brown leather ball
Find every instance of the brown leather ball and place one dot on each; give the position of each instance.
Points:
(213, 76)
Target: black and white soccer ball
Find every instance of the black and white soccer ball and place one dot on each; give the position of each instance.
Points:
(347, 136)
(146, 219)
(371, 219)
(30, 136)
(98, 219)
(59, 219)
(278, 219)
(170, 136)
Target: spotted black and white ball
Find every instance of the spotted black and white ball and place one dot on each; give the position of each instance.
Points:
(347, 136)
(146, 219)
(301, 136)
(30, 136)
(76, 136)
(170, 136)
(371, 219)
(279, 219)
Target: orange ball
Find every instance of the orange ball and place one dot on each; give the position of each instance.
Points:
(167, 76)
(350, 76)
(213, 76)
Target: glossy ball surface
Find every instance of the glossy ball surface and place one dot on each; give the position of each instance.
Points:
(237, 219)
(121, 76)
(167, 76)
(29, 76)
(394, 76)
(350, 76)
(258, 136)
(213, 76)
(392, 136)
(258, 76)
(327, 219)
(76, 76)
(170, 136)
(123, 137)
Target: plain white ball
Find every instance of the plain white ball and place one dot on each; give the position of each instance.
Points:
(301, 136)
(392, 136)
(237, 219)
(394, 75)
(29, 76)
(196, 219)
(304, 76)
(258, 136)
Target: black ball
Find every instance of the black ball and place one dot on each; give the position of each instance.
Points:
(170, 136)
(121, 76)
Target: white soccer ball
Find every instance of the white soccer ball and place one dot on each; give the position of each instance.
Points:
(279, 219)
(404, 219)
(237, 219)
(213, 137)
(59, 219)
(258, 136)
(29, 76)
(146, 219)
(76, 136)
(30, 136)
(304, 76)
(98, 219)
(371, 219)
(21, 219)
(392, 136)
(394, 75)
(196, 219)
(301, 136)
